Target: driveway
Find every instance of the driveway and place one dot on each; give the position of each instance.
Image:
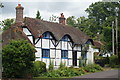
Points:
(103, 74)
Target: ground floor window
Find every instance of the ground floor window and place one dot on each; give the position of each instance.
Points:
(64, 54)
(45, 53)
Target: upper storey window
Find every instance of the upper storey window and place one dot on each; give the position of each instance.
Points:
(47, 35)
(65, 38)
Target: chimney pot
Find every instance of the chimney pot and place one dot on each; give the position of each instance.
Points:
(19, 4)
(62, 19)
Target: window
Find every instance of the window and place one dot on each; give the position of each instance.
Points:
(65, 38)
(46, 35)
(45, 53)
(64, 54)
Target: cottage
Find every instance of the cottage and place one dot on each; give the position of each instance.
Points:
(57, 42)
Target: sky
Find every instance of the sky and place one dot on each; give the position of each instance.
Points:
(47, 8)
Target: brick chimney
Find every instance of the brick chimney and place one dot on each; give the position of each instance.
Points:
(19, 14)
(62, 19)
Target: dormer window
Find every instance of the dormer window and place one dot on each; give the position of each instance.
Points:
(65, 38)
(46, 35)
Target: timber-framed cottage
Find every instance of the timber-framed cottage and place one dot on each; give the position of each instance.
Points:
(57, 42)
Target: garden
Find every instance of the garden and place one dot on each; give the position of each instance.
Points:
(62, 71)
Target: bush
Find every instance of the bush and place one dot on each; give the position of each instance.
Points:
(17, 59)
(114, 61)
(92, 68)
(39, 67)
(70, 72)
(63, 72)
(62, 65)
(51, 66)
(82, 62)
(101, 60)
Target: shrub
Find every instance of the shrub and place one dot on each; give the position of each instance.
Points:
(17, 57)
(101, 60)
(114, 61)
(62, 65)
(63, 72)
(39, 67)
(51, 66)
(92, 68)
(82, 62)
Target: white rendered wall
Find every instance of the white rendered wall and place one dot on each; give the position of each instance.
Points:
(45, 43)
(59, 45)
(64, 45)
(51, 44)
(26, 31)
(52, 53)
(38, 53)
(38, 44)
(90, 55)
(30, 38)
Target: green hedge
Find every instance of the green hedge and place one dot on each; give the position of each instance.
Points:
(39, 67)
(114, 61)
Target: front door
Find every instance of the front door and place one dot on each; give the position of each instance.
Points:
(74, 58)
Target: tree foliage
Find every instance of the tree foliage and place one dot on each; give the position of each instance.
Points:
(38, 16)
(17, 57)
(99, 22)
(53, 18)
(7, 23)
(1, 5)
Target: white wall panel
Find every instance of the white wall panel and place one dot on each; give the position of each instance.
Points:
(48, 62)
(58, 61)
(75, 48)
(38, 43)
(38, 53)
(26, 31)
(36, 40)
(44, 60)
(64, 45)
(69, 46)
(52, 53)
(51, 44)
(69, 54)
(59, 45)
(45, 43)
(58, 53)
(30, 38)
(78, 55)
(70, 62)
(77, 62)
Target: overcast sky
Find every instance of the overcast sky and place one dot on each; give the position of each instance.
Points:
(46, 8)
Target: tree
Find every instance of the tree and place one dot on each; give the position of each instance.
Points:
(17, 57)
(84, 24)
(71, 21)
(100, 10)
(38, 16)
(53, 18)
(7, 23)
(1, 5)
(104, 14)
